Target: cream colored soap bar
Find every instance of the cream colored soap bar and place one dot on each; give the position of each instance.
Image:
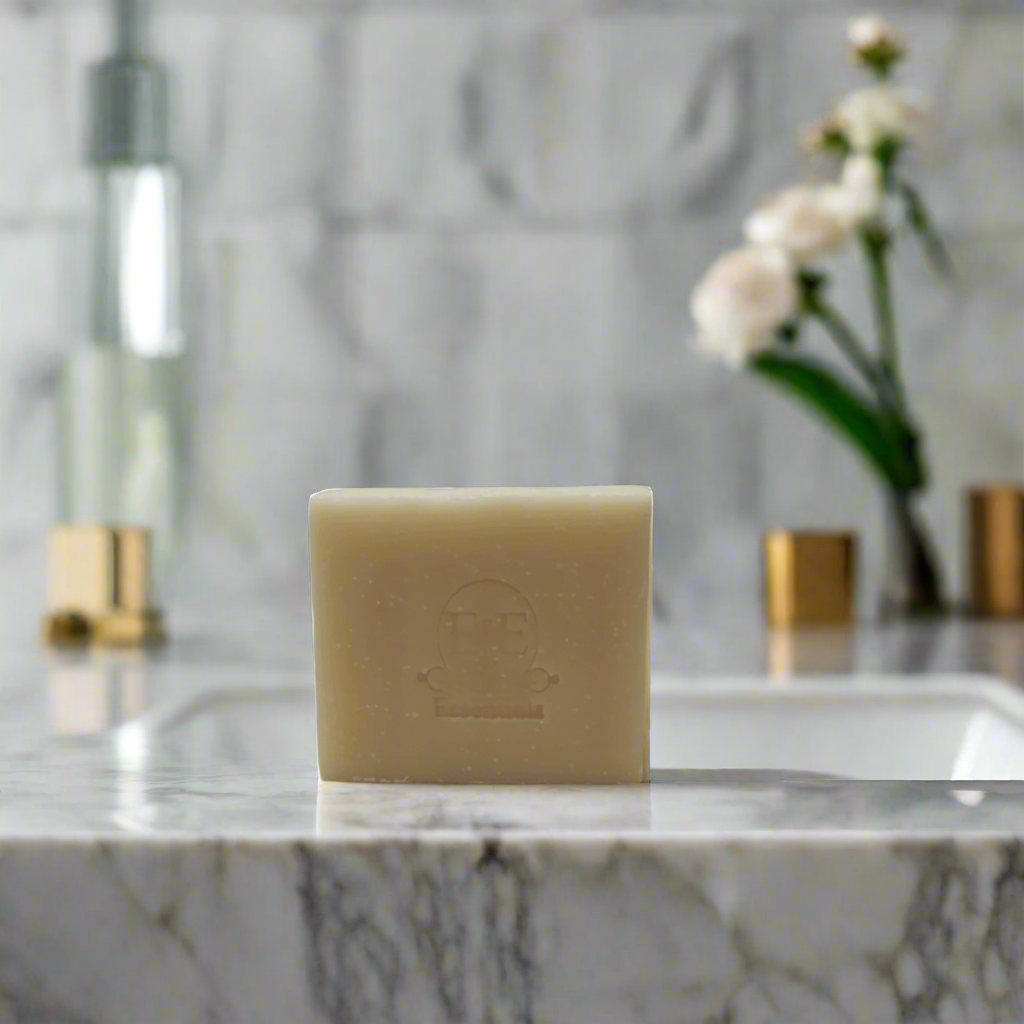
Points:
(482, 634)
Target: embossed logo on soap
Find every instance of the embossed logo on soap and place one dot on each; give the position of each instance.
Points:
(487, 636)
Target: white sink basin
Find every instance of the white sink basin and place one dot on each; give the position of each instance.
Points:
(916, 728)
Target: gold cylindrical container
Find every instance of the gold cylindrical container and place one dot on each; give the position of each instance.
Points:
(99, 586)
(809, 578)
(995, 521)
(98, 569)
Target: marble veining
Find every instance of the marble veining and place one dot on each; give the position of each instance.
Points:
(399, 212)
(523, 929)
(165, 847)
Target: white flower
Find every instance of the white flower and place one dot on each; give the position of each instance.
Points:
(823, 135)
(858, 196)
(869, 116)
(744, 297)
(800, 221)
(870, 35)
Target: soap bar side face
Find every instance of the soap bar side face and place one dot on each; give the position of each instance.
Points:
(499, 635)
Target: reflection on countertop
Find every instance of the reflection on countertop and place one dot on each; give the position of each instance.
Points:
(210, 735)
(744, 645)
(95, 691)
(162, 829)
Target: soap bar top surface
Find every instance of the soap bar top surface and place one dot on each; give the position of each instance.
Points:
(482, 634)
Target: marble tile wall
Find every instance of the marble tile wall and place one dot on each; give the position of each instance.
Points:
(452, 242)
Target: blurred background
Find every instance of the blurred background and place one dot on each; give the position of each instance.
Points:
(436, 242)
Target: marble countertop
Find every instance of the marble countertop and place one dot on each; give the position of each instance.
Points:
(227, 752)
(164, 836)
(213, 738)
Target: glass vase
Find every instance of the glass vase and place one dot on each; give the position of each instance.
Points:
(913, 578)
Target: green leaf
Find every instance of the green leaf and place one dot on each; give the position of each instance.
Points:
(921, 222)
(887, 445)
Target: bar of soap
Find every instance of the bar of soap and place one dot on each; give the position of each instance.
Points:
(491, 635)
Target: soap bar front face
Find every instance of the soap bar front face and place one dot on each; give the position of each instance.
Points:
(496, 635)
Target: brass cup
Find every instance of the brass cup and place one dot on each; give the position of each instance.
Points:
(99, 587)
(809, 578)
(995, 522)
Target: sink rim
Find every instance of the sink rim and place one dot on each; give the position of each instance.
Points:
(977, 687)
(979, 698)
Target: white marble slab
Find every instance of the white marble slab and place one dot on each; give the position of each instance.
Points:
(442, 928)
(164, 843)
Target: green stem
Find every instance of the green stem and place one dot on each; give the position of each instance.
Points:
(885, 386)
(851, 346)
(875, 244)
